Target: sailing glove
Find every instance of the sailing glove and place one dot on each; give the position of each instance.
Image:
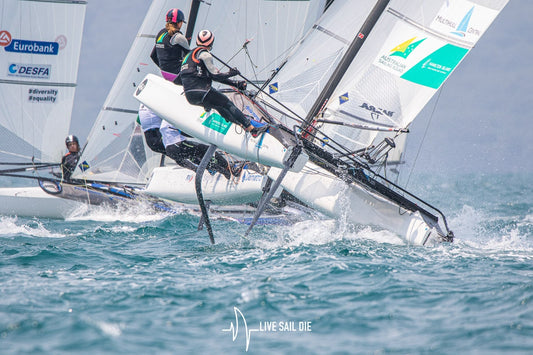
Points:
(241, 85)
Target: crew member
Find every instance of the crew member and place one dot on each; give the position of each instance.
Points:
(189, 153)
(170, 45)
(70, 160)
(150, 123)
(197, 74)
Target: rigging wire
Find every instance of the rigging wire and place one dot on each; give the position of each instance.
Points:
(424, 137)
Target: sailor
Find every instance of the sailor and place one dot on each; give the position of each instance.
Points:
(70, 160)
(188, 153)
(170, 45)
(197, 74)
(150, 124)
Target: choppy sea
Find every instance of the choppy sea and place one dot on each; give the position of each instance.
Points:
(137, 283)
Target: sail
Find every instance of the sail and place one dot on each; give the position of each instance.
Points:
(40, 44)
(250, 35)
(411, 51)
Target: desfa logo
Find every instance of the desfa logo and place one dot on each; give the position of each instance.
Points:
(5, 38)
(34, 71)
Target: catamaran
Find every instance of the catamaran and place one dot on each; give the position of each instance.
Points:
(116, 164)
(341, 104)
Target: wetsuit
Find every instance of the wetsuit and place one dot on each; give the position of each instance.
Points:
(168, 53)
(68, 164)
(197, 74)
(188, 153)
(150, 123)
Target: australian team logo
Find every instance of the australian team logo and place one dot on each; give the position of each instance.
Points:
(395, 58)
(403, 50)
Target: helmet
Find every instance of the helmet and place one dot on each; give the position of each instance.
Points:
(205, 38)
(70, 139)
(175, 16)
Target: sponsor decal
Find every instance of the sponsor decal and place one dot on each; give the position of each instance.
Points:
(32, 47)
(141, 87)
(42, 95)
(463, 19)
(61, 41)
(418, 58)
(216, 123)
(403, 50)
(5, 38)
(273, 88)
(34, 71)
(375, 112)
(436, 67)
(343, 98)
(247, 176)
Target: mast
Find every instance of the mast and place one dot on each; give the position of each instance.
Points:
(346, 60)
(191, 21)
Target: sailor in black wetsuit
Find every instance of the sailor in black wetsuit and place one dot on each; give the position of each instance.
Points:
(197, 74)
(70, 160)
(170, 45)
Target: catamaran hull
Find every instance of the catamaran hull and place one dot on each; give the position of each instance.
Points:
(34, 202)
(178, 184)
(168, 101)
(355, 204)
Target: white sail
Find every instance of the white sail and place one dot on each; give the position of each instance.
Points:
(40, 43)
(409, 54)
(251, 35)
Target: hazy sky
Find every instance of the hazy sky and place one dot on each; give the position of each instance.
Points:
(482, 119)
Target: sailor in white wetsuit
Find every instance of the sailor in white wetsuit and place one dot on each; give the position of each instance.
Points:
(150, 124)
(188, 153)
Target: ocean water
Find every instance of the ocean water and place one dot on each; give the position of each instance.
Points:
(135, 283)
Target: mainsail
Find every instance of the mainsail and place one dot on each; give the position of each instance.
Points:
(40, 42)
(410, 52)
(251, 35)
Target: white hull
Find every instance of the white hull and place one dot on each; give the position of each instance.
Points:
(34, 202)
(354, 203)
(178, 184)
(168, 102)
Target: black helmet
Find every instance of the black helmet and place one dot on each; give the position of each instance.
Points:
(70, 139)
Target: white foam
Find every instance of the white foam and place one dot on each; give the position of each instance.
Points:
(9, 226)
(137, 213)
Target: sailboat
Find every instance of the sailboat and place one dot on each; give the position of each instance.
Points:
(116, 162)
(115, 151)
(40, 44)
(342, 104)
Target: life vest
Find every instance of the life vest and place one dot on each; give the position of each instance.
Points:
(194, 74)
(169, 56)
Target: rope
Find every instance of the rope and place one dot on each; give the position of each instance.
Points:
(424, 137)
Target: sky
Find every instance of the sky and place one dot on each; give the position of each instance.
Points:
(480, 121)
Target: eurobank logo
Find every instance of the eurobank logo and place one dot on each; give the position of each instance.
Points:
(5, 38)
(403, 50)
(27, 46)
(34, 71)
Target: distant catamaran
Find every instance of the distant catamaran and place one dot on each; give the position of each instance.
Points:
(341, 104)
